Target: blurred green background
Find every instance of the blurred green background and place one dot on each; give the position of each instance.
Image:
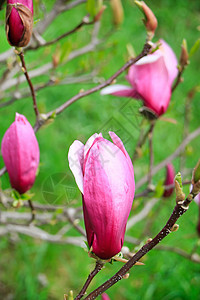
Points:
(23, 260)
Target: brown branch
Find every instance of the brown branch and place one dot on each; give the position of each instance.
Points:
(142, 139)
(109, 81)
(96, 270)
(21, 55)
(33, 212)
(178, 211)
(194, 257)
(72, 221)
(178, 79)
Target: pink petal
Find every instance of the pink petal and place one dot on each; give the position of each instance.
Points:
(117, 141)
(76, 158)
(151, 58)
(27, 3)
(108, 194)
(153, 86)
(119, 90)
(90, 141)
(170, 60)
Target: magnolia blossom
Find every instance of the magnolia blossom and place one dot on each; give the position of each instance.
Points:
(151, 79)
(20, 153)
(19, 22)
(104, 174)
(170, 174)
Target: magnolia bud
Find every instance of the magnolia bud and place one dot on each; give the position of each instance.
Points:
(118, 12)
(19, 22)
(104, 174)
(150, 20)
(20, 153)
(184, 54)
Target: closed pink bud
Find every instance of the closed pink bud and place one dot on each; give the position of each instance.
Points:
(20, 153)
(170, 174)
(104, 174)
(151, 79)
(19, 22)
(104, 296)
(150, 20)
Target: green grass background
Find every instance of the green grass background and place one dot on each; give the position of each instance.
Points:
(165, 275)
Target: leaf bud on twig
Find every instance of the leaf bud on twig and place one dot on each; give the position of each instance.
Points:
(150, 20)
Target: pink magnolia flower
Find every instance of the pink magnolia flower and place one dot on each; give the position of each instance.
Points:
(19, 22)
(20, 153)
(151, 79)
(170, 174)
(104, 296)
(104, 174)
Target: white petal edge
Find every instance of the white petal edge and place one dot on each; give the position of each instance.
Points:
(115, 88)
(149, 58)
(90, 141)
(76, 159)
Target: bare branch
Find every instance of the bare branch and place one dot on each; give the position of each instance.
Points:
(38, 233)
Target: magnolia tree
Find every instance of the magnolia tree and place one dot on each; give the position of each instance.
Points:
(103, 170)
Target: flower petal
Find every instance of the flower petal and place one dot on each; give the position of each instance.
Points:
(153, 86)
(119, 90)
(90, 141)
(117, 141)
(76, 159)
(170, 60)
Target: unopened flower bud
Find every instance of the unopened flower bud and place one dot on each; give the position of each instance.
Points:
(118, 12)
(19, 22)
(20, 153)
(99, 14)
(184, 54)
(196, 173)
(104, 174)
(150, 20)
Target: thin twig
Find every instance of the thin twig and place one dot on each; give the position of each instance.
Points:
(21, 55)
(178, 79)
(142, 138)
(84, 22)
(109, 81)
(96, 270)
(73, 222)
(33, 212)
